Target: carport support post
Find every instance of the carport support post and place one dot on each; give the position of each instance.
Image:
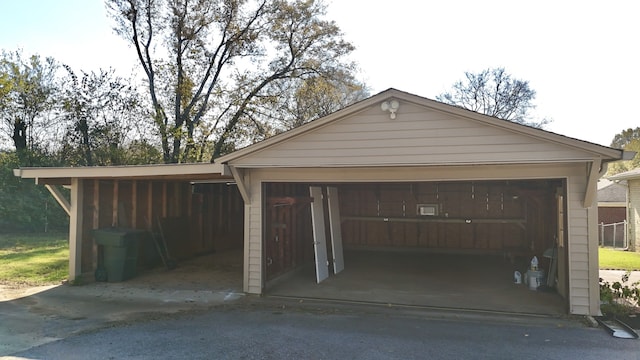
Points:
(75, 229)
(594, 268)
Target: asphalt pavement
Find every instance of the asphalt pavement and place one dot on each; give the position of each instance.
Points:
(258, 328)
(130, 320)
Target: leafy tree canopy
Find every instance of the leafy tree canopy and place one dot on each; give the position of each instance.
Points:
(628, 140)
(27, 90)
(495, 93)
(100, 111)
(216, 69)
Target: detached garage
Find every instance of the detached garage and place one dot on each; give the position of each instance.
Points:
(395, 199)
(401, 174)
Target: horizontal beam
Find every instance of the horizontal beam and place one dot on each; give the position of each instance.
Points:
(200, 171)
(437, 219)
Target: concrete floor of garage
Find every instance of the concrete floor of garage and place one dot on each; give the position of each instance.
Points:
(447, 281)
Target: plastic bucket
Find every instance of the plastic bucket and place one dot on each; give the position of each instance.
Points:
(535, 279)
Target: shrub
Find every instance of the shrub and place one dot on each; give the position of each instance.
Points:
(619, 298)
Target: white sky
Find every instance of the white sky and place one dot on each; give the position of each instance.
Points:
(581, 57)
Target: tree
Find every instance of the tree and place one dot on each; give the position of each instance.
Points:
(27, 100)
(495, 93)
(625, 137)
(25, 206)
(212, 66)
(628, 140)
(317, 97)
(100, 110)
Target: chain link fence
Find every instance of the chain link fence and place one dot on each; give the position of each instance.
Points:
(613, 235)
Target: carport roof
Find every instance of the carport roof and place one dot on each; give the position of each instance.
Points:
(182, 172)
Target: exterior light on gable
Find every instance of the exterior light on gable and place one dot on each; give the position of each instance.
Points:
(391, 106)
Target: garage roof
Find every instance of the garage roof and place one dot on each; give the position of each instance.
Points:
(360, 135)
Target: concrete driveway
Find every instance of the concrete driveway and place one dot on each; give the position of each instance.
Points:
(34, 316)
(53, 313)
(612, 276)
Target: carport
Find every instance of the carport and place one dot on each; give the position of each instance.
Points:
(196, 208)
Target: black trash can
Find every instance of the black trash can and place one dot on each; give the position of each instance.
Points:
(119, 253)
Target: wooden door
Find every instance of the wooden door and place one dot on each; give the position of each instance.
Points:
(319, 236)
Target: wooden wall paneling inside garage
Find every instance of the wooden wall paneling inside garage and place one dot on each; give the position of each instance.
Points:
(105, 211)
(393, 204)
(492, 202)
(467, 230)
(451, 197)
(482, 232)
(427, 193)
(367, 205)
(124, 209)
(513, 207)
(472, 215)
(288, 241)
(411, 229)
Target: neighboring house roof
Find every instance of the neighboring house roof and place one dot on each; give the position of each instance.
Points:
(627, 175)
(322, 154)
(612, 192)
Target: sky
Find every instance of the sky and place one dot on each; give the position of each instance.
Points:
(581, 57)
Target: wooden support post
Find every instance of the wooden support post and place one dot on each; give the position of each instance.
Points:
(134, 204)
(150, 205)
(114, 216)
(95, 221)
(176, 204)
(164, 199)
(189, 194)
(75, 229)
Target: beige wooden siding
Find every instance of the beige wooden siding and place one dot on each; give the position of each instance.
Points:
(253, 241)
(578, 247)
(634, 214)
(417, 136)
(431, 173)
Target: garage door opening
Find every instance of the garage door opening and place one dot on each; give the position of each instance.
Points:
(442, 244)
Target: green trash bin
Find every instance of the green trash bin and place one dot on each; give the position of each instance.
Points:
(119, 253)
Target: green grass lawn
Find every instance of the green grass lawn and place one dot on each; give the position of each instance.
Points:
(619, 260)
(33, 259)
